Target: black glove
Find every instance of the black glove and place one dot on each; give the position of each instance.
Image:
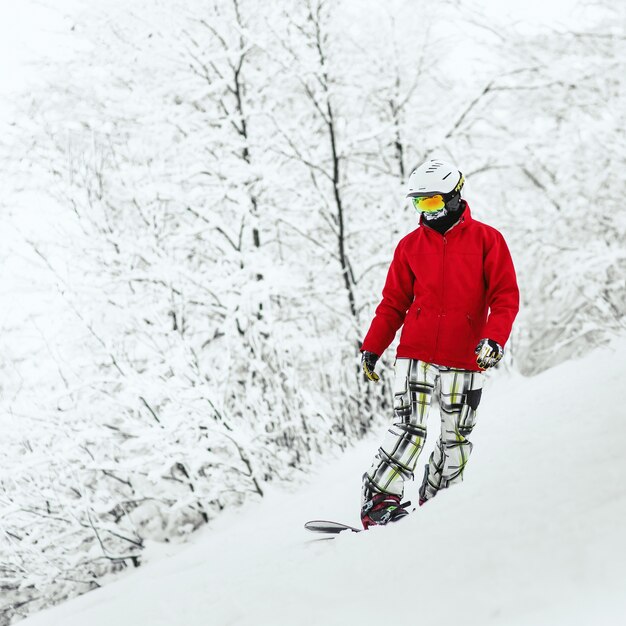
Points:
(489, 353)
(368, 361)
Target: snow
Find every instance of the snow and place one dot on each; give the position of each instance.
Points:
(534, 536)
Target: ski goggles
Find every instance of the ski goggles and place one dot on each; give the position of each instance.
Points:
(428, 204)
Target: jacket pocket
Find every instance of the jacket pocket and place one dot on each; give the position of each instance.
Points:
(456, 336)
(414, 338)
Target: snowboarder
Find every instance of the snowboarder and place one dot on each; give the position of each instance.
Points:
(452, 287)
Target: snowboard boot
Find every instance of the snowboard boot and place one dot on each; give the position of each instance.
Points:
(383, 508)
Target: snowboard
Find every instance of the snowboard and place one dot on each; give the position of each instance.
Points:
(329, 528)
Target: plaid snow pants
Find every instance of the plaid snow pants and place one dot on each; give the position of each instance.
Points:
(459, 394)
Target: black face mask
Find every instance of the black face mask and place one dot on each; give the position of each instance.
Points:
(454, 204)
(454, 209)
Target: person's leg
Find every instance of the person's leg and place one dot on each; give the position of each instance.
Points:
(459, 397)
(396, 458)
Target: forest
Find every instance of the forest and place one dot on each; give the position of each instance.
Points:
(226, 184)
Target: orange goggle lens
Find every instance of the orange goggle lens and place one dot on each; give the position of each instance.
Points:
(428, 204)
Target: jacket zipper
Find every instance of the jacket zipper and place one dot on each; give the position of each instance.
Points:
(443, 283)
(418, 311)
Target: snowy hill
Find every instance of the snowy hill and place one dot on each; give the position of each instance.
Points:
(534, 536)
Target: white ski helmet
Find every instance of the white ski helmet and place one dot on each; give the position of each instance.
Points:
(435, 177)
(435, 188)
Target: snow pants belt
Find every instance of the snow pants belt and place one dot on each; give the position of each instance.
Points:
(458, 392)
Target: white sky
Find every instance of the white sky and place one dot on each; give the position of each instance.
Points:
(28, 30)
(33, 29)
(540, 11)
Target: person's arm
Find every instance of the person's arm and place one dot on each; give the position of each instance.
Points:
(397, 298)
(502, 291)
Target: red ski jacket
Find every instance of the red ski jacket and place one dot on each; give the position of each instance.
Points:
(450, 291)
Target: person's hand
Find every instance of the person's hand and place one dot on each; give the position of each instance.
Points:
(489, 353)
(368, 361)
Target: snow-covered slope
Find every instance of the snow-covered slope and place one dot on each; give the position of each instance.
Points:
(534, 536)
